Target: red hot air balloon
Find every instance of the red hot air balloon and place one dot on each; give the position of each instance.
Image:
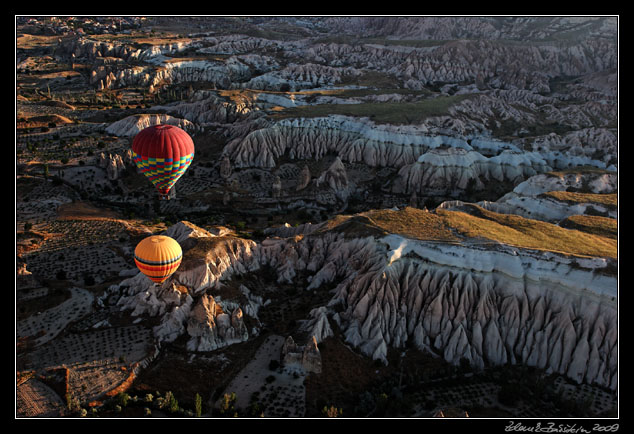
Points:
(163, 153)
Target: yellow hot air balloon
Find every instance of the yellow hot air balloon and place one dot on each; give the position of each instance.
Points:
(158, 257)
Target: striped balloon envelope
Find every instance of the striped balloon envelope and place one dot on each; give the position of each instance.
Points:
(163, 153)
(158, 257)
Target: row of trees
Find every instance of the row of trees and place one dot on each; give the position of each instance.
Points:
(120, 402)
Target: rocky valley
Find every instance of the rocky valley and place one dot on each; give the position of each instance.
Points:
(384, 217)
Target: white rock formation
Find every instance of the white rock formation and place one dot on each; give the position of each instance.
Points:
(318, 325)
(113, 164)
(301, 76)
(307, 356)
(115, 167)
(597, 182)
(184, 230)
(304, 179)
(488, 306)
(225, 168)
(208, 108)
(425, 160)
(131, 125)
(527, 199)
(445, 169)
(351, 139)
(207, 260)
(276, 187)
(211, 260)
(211, 328)
(336, 178)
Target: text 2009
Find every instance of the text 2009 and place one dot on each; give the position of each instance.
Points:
(605, 428)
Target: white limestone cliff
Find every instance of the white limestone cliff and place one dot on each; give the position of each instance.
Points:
(488, 306)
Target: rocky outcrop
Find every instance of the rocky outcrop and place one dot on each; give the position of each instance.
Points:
(115, 167)
(225, 168)
(351, 139)
(528, 199)
(307, 356)
(317, 324)
(336, 178)
(186, 233)
(488, 307)
(598, 182)
(415, 150)
(88, 49)
(181, 302)
(445, 28)
(301, 76)
(209, 261)
(304, 179)
(220, 73)
(454, 169)
(598, 143)
(209, 327)
(205, 108)
(113, 164)
(276, 188)
(131, 125)
(472, 302)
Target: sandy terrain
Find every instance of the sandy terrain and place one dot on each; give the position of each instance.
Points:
(285, 396)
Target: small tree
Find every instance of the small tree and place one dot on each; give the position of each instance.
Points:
(122, 399)
(170, 402)
(198, 405)
(227, 405)
(331, 411)
(72, 403)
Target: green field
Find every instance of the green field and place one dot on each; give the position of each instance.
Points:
(392, 113)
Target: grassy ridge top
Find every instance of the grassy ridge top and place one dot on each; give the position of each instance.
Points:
(584, 236)
(413, 223)
(527, 233)
(609, 200)
(408, 222)
(603, 226)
